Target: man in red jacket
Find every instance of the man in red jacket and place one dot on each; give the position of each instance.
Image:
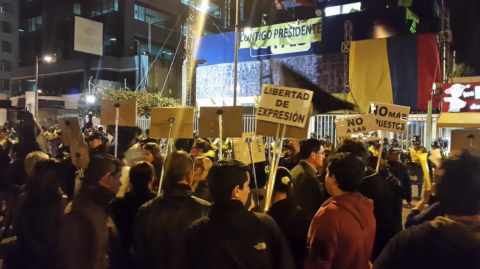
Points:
(343, 230)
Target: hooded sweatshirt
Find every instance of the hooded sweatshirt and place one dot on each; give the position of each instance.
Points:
(342, 233)
(441, 243)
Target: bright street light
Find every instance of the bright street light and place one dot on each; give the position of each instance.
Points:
(47, 59)
(90, 99)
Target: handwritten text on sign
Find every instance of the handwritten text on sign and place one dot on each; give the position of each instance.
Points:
(363, 124)
(391, 118)
(284, 105)
(242, 153)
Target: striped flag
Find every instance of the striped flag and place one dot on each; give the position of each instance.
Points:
(279, 4)
(307, 3)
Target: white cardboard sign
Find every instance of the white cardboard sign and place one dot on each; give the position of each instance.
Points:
(389, 117)
(242, 153)
(362, 127)
(284, 105)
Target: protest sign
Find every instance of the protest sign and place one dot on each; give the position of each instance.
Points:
(361, 127)
(242, 153)
(284, 105)
(391, 118)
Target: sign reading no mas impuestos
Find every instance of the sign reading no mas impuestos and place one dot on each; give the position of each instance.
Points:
(284, 105)
(389, 117)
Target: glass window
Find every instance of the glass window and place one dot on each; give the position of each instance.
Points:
(149, 15)
(6, 27)
(6, 46)
(5, 85)
(348, 8)
(116, 5)
(332, 11)
(6, 8)
(77, 9)
(6, 66)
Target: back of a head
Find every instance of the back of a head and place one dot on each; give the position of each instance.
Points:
(458, 185)
(224, 177)
(100, 165)
(202, 144)
(372, 162)
(354, 147)
(140, 174)
(283, 178)
(177, 166)
(45, 180)
(349, 171)
(309, 146)
(32, 159)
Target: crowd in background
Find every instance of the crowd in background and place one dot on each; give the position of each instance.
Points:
(331, 207)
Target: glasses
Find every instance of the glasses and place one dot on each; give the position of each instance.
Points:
(321, 153)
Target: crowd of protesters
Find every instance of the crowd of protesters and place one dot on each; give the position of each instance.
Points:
(330, 208)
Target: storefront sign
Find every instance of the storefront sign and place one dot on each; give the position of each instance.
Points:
(289, 33)
(362, 127)
(463, 97)
(284, 105)
(390, 118)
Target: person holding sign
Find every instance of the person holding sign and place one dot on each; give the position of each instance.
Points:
(306, 188)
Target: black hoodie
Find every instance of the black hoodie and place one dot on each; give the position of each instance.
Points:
(439, 244)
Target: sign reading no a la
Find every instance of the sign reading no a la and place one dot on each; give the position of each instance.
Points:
(349, 127)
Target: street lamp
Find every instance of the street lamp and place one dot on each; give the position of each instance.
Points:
(46, 59)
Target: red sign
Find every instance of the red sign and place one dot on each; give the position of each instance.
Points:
(461, 97)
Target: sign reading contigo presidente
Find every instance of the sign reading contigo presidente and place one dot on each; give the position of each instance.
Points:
(284, 105)
(391, 118)
(288, 33)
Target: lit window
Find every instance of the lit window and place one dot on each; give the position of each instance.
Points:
(332, 11)
(77, 9)
(348, 8)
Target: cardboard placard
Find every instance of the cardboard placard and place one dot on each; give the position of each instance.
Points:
(71, 133)
(389, 117)
(284, 105)
(364, 137)
(80, 155)
(182, 126)
(363, 124)
(266, 128)
(127, 113)
(242, 153)
(231, 117)
(465, 139)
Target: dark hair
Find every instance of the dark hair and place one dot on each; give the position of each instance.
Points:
(100, 165)
(354, 147)
(223, 177)
(283, 178)
(202, 144)
(458, 185)
(15, 147)
(157, 158)
(3, 129)
(309, 146)
(44, 184)
(140, 174)
(372, 162)
(349, 171)
(177, 166)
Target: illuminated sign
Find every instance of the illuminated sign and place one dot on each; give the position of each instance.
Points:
(461, 97)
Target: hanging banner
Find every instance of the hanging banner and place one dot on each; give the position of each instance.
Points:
(389, 117)
(242, 153)
(284, 105)
(289, 33)
(463, 97)
(360, 127)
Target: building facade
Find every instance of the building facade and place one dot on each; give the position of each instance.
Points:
(143, 42)
(9, 42)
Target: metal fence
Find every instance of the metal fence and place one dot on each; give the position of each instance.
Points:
(324, 125)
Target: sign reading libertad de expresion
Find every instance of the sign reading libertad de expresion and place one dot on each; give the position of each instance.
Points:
(391, 118)
(283, 34)
(284, 105)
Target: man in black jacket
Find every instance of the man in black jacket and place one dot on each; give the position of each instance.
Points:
(400, 171)
(387, 204)
(452, 241)
(160, 225)
(230, 236)
(306, 188)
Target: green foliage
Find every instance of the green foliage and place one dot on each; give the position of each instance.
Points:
(461, 70)
(145, 101)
